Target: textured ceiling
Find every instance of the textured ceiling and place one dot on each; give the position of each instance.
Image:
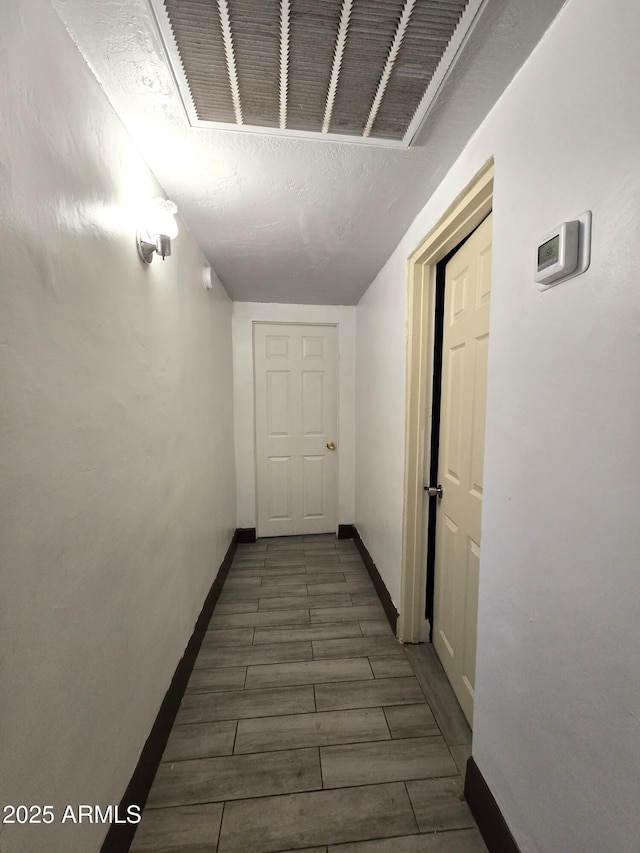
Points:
(291, 220)
(363, 69)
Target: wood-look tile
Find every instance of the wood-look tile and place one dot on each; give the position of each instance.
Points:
(185, 829)
(260, 592)
(352, 572)
(444, 704)
(270, 571)
(306, 850)
(313, 579)
(222, 656)
(228, 637)
(200, 740)
(366, 715)
(368, 694)
(359, 647)
(254, 560)
(386, 761)
(279, 542)
(307, 672)
(291, 549)
(284, 580)
(234, 581)
(241, 704)
(304, 730)
(375, 628)
(343, 614)
(236, 607)
(411, 721)
(311, 569)
(367, 598)
(293, 559)
(330, 631)
(396, 666)
(323, 817)
(317, 555)
(323, 560)
(321, 537)
(216, 680)
(296, 602)
(234, 777)
(462, 841)
(342, 587)
(248, 547)
(259, 619)
(439, 804)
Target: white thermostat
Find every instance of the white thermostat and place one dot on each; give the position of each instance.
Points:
(564, 252)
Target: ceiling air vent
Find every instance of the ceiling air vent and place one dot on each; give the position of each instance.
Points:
(362, 71)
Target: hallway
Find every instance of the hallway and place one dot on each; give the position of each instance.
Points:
(305, 724)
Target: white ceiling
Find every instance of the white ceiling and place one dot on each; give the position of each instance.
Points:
(294, 220)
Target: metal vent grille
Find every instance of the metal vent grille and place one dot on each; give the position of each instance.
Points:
(356, 70)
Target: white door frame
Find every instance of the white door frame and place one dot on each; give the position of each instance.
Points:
(336, 326)
(462, 217)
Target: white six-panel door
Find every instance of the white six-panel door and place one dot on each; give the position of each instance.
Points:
(460, 461)
(296, 418)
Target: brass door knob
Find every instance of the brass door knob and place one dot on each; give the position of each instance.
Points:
(331, 445)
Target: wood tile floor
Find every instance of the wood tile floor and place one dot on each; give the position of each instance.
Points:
(306, 725)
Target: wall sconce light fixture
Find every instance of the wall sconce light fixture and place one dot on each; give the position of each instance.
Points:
(157, 229)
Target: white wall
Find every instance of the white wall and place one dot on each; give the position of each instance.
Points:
(244, 315)
(380, 394)
(117, 499)
(557, 731)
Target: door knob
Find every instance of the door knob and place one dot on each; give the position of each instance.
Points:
(331, 445)
(432, 491)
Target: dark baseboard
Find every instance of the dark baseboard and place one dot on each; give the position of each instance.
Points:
(486, 811)
(346, 531)
(374, 574)
(120, 836)
(245, 535)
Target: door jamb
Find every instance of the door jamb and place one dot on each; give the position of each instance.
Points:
(462, 217)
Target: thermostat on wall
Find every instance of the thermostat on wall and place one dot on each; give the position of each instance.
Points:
(564, 252)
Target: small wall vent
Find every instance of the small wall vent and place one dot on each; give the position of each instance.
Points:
(363, 71)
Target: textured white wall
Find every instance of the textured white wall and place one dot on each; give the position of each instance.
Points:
(117, 498)
(244, 315)
(380, 393)
(557, 731)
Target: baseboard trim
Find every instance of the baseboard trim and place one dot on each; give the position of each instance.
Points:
(492, 825)
(374, 574)
(245, 535)
(346, 531)
(120, 836)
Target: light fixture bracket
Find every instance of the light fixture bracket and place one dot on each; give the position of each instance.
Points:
(146, 250)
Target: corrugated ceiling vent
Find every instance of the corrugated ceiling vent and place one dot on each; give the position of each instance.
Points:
(362, 71)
